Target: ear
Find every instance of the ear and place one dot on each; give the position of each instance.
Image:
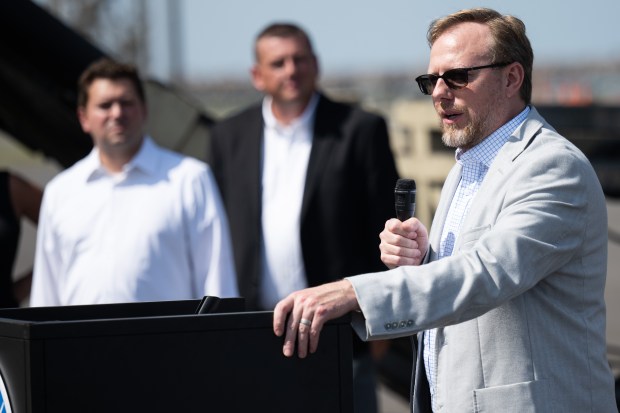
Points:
(257, 78)
(514, 79)
(83, 118)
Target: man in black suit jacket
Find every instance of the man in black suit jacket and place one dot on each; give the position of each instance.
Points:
(344, 196)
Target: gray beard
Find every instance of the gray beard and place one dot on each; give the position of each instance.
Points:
(465, 138)
(472, 134)
(478, 128)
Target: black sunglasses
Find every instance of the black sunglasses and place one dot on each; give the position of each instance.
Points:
(454, 78)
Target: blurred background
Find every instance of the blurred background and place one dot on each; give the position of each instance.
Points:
(195, 56)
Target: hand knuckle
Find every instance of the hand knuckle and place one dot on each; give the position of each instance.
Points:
(320, 312)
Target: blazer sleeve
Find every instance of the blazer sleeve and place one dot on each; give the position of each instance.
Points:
(539, 222)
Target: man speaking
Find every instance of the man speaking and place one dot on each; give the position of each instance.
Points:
(508, 304)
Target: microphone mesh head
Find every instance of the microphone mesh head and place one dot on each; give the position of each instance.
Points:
(405, 185)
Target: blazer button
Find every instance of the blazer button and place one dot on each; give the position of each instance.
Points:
(388, 326)
(402, 324)
(409, 323)
(395, 324)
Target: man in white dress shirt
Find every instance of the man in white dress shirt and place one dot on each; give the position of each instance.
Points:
(307, 182)
(131, 221)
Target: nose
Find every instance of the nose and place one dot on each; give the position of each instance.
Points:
(116, 110)
(441, 90)
(290, 66)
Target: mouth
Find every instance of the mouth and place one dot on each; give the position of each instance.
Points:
(292, 85)
(450, 116)
(117, 128)
(449, 112)
(118, 133)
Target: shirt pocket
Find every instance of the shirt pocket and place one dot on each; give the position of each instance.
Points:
(525, 397)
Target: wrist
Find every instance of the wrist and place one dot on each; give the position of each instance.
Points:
(351, 297)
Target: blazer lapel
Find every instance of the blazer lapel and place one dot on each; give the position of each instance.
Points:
(514, 146)
(447, 193)
(322, 143)
(252, 158)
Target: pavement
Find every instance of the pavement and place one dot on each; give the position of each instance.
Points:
(390, 401)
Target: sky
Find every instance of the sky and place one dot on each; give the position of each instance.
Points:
(364, 36)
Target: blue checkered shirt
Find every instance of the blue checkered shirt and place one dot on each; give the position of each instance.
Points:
(475, 165)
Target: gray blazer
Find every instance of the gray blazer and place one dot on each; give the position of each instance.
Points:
(519, 305)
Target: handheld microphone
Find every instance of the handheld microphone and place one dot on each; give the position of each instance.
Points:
(404, 198)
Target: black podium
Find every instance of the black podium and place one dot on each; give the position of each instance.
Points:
(161, 357)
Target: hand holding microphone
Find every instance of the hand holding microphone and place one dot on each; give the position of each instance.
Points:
(404, 241)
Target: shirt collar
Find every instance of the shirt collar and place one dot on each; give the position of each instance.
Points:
(486, 150)
(304, 120)
(145, 160)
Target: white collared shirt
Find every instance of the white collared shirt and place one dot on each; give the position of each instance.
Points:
(155, 231)
(286, 151)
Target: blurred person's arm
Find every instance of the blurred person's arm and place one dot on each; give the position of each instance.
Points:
(210, 243)
(47, 261)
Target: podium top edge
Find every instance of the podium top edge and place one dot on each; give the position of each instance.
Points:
(127, 318)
